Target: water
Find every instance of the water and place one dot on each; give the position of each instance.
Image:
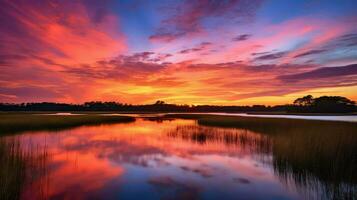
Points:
(60, 113)
(179, 159)
(344, 118)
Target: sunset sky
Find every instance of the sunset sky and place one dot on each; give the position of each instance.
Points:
(224, 52)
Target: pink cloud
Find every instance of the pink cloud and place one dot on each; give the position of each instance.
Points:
(48, 38)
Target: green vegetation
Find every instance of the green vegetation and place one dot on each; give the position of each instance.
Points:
(306, 151)
(12, 123)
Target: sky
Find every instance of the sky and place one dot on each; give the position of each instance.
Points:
(221, 52)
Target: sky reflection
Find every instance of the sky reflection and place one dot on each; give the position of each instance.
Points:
(171, 159)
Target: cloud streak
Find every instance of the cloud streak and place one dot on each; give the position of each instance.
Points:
(322, 73)
(242, 37)
(271, 56)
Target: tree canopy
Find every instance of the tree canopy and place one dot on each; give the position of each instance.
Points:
(324, 104)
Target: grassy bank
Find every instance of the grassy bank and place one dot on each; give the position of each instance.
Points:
(12, 123)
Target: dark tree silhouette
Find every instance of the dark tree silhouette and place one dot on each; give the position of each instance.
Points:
(307, 104)
(304, 101)
(333, 100)
(332, 104)
(158, 102)
(324, 104)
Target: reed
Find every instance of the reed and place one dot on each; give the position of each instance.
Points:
(20, 168)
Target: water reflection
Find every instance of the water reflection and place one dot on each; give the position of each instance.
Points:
(179, 159)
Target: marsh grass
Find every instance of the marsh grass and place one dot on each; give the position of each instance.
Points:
(242, 138)
(318, 157)
(13, 122)
(11, 170)
(19, 167)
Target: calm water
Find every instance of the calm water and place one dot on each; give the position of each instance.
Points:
(344, 118)
(178, 159)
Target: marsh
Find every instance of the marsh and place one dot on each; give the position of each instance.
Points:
(180, 157)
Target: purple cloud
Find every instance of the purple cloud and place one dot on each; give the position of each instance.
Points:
(188, 16)
(202, 46)
(312, 52)
(241, 37)
(324, 72)
(271, 56)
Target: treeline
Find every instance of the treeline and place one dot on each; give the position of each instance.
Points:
(115, 106)
(324, 104)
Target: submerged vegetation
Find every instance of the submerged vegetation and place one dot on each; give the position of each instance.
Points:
(11, 123)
